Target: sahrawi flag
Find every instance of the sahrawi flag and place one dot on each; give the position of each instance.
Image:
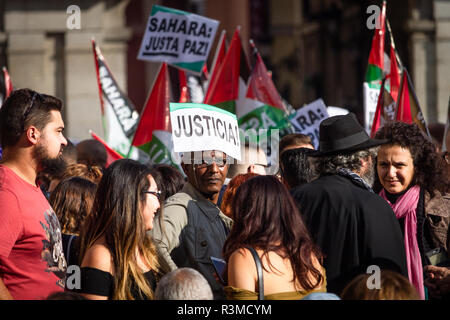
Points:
(263, 110)
(120, 118)
(227, 86)
(387, 98)
(154, 132)
(263, 107)
(374, 73)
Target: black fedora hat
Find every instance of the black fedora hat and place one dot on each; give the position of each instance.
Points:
(343, 134)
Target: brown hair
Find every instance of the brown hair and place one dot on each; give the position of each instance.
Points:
(293, 139)
(393, 286)
(91, 173)
(266, 218)
(230, 192)
(429, 167)
(22, 109)
(72, 201)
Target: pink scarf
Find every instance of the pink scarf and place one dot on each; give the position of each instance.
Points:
(405, 207)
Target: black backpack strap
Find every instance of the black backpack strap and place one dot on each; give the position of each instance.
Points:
(259, 270)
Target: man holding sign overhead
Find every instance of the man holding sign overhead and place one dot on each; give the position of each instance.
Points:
(193, 229)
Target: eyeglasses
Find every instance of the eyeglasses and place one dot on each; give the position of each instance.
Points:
(219, 158)
(221, 163)
(155, 193)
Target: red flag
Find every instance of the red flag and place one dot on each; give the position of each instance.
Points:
(223, 89)
(183, 85)
(261, 86)
(156, 113)
(394, 75)
(404, 105)
(408, 108)
(219, 55)
(379, 111)
(205, 73)
(111, 154)
(8, 83)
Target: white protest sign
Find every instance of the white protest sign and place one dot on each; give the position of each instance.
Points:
(370, 104)
(177, 37)
(307, 119)
(199, 127)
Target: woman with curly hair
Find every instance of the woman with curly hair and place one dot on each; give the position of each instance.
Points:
(413, 182)
(72, 201)
(269, 228)
(118, 260)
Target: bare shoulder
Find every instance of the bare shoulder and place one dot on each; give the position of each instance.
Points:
(98, 256)
(242, 270)
(241, 257)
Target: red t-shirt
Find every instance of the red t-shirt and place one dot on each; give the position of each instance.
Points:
(32, 263)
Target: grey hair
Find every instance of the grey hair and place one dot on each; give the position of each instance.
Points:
(183, 284)
(352, 161)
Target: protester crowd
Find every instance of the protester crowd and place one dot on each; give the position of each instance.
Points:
(358, 219)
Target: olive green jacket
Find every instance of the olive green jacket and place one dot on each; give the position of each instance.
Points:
(192, 229)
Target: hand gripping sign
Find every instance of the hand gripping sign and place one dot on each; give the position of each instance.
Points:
(179, 38)
(199, 127)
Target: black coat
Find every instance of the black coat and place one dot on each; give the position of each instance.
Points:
(353, 227)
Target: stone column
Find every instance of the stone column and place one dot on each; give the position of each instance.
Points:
(288, 55)
(423, 71)
(47, 56)
(442, 18)
(83, 102)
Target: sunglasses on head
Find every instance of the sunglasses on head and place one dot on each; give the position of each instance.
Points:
(30, 106)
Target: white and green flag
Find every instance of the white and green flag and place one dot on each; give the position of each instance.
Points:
(120, 117)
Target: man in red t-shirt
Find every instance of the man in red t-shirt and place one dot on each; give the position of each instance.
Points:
(32, 263)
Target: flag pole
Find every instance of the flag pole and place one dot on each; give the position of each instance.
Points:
(447, 128)
(391, 37)
(400, 90)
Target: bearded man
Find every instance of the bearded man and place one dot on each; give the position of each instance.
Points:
(193, 229)
(354, 227)
(32, 263)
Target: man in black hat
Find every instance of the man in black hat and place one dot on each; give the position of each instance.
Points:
(354, 227)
